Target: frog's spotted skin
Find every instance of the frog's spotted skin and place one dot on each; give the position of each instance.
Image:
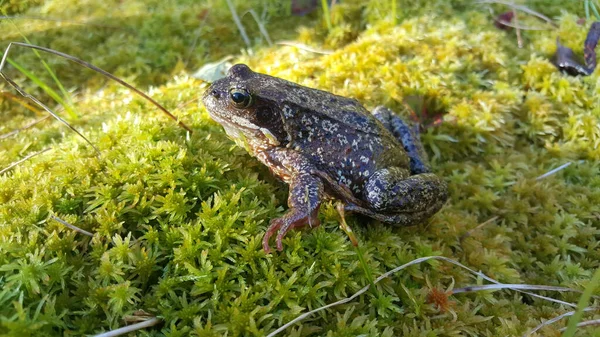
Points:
(325, 145)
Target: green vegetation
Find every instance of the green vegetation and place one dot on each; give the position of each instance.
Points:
(177, 219)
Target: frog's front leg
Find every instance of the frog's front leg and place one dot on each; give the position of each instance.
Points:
(304, 199)
(395, 196)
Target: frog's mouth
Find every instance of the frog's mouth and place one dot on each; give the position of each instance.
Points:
(233, 129)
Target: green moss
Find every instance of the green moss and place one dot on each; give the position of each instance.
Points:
(178, 219)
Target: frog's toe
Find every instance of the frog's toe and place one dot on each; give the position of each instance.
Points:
(273, 227)
(301, 221)
(284, 224)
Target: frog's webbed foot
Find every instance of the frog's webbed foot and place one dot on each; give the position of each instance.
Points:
(408, 136)
(304, 201)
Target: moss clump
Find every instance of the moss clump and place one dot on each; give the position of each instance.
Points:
(177, 219)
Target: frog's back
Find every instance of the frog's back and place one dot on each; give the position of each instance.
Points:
(336, 133)
(291, 98)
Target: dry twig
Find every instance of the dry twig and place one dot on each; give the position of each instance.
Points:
(24, 159)
(73, 227)
(131, 328)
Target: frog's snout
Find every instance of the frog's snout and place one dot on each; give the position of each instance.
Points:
(211, 92)
(214, 93)
(211, 97)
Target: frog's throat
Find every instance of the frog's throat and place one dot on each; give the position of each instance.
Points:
(242, 141)
(236, 133)
(236, 129)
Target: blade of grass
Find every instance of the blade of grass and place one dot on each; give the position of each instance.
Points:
(325, 7)
(21, 101)
(582, 304)
(55, 96)
(348, 230)
(260, 25)
(595, 10)
(288, 8)
(196, 37)
(238, 23)
(586, 5)
(521, 8)
(68, 104)
(554, 320)
(585, 323)
(366, 269)
(92, 67)
(35, 100)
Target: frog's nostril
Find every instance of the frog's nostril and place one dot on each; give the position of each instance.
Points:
(215, 93)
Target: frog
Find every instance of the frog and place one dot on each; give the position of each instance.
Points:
(326, 147)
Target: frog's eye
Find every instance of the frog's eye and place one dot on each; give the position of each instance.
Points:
(240, 98)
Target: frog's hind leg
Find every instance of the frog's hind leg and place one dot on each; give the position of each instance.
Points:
(408, 136)
(399, 219)
(396, 197)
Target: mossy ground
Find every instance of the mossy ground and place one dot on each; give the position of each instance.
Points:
(177, 218)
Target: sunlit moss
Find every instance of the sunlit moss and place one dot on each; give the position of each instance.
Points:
(178, 218)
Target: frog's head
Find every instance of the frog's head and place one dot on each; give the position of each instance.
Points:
(245, 103)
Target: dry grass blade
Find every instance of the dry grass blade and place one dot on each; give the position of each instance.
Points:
(89, 66)
(515, 25)
(130, 328)
(238, 23)
(35, 100)
(196, 37)
(43, 106)
(305, 47)
(260, 25)
(395, 270)
(24, 159)
(547, 174)
(513, 287)
(521, 27)
(553, 171)
(554, 320)
(521, 8)
(21, 101)
(75, 228)
(468, 233)
(32, 124)
(518, 30)
(487, 278)
(585, 323)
